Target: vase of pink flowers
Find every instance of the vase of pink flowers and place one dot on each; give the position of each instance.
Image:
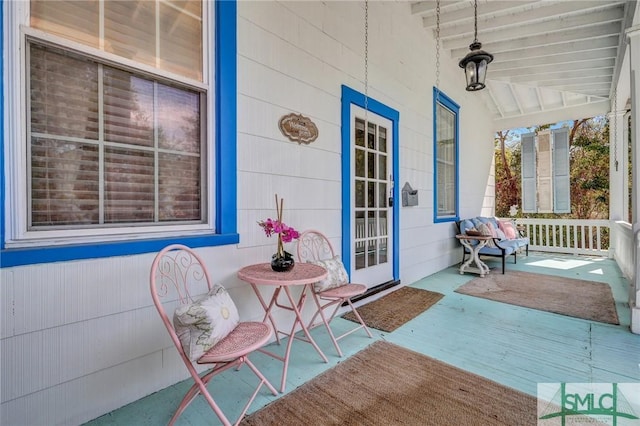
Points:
(282, 260)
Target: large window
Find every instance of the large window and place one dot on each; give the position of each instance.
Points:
(445, 157)
(111, 136)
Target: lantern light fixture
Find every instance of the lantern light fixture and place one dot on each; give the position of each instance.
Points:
(476, 61)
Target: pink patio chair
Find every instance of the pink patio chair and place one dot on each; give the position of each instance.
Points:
(335, 290)
(205, 330)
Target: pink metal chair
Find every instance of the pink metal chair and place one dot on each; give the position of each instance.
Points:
(314, 246)
(178, 275)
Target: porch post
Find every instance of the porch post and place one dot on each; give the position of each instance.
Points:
(633, 35)
(618, 163)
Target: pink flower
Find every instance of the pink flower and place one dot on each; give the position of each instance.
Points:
(285, 233)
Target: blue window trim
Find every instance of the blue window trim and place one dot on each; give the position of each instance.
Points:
(350, 96)
(225, 165)
(447, 102)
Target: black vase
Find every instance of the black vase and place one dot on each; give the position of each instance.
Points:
(282, 263)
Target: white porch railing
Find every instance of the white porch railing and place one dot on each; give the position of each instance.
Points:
(573, 236)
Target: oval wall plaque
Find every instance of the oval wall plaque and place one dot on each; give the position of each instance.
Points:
(298, 128)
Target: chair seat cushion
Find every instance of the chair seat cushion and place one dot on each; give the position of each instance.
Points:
(203, 323)
(337, 274)
(344, 291)
(245, 338)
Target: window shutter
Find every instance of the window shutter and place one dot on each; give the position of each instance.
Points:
(561, 176)
(545, 173)
(528, 167)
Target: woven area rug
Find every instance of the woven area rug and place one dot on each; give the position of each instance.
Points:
(589, 300)
(396, 308)
(385, 384)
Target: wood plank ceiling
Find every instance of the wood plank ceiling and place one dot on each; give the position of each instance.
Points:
(552, 59)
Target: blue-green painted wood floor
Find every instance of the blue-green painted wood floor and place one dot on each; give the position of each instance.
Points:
(515, 346)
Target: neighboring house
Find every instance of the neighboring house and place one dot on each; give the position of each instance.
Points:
(130, 125)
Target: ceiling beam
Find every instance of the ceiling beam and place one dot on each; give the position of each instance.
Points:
(562, 48)
(609, 53)
(515, 41)
(552, 115)
(554, 18)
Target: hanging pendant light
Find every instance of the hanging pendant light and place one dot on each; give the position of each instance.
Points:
(476, 61)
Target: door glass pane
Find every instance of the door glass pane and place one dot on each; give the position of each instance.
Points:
(371, 136)
(360, 194)
(382, 166)
(382, 139)
(359, 132)
(359, 159)
(382, 195)
(360, 242)
(372, 227)
(371, 165)
(371, 194)
(372, 252)
(383, 222)
(383, 250)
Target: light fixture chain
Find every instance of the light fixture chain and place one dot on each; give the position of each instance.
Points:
(475, 21)
(615, 127)
(366, 59)
(437, 51)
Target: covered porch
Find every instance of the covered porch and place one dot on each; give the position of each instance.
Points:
(515, 346)
(86, 298)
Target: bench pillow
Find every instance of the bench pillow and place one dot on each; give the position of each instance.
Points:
(508, 229)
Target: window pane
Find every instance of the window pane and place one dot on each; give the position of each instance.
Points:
(64, 183)
(75, 20)
(179, 187)
(63, 94)
(181, 39)
(128, 108)
(130, 30)
(129, 194)
(178, 119)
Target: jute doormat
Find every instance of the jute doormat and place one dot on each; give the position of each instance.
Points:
(386, 384)
(394, 309)
(589, 300)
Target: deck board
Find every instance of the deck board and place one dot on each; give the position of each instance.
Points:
(518, 347)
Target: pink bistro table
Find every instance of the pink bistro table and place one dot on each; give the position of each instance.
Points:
(302, 274)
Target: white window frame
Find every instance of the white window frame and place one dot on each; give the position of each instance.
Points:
(16, 233)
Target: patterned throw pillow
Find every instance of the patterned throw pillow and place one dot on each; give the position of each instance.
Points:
(508, 229)
(484, 230)
(205, 322)
(337, 274)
